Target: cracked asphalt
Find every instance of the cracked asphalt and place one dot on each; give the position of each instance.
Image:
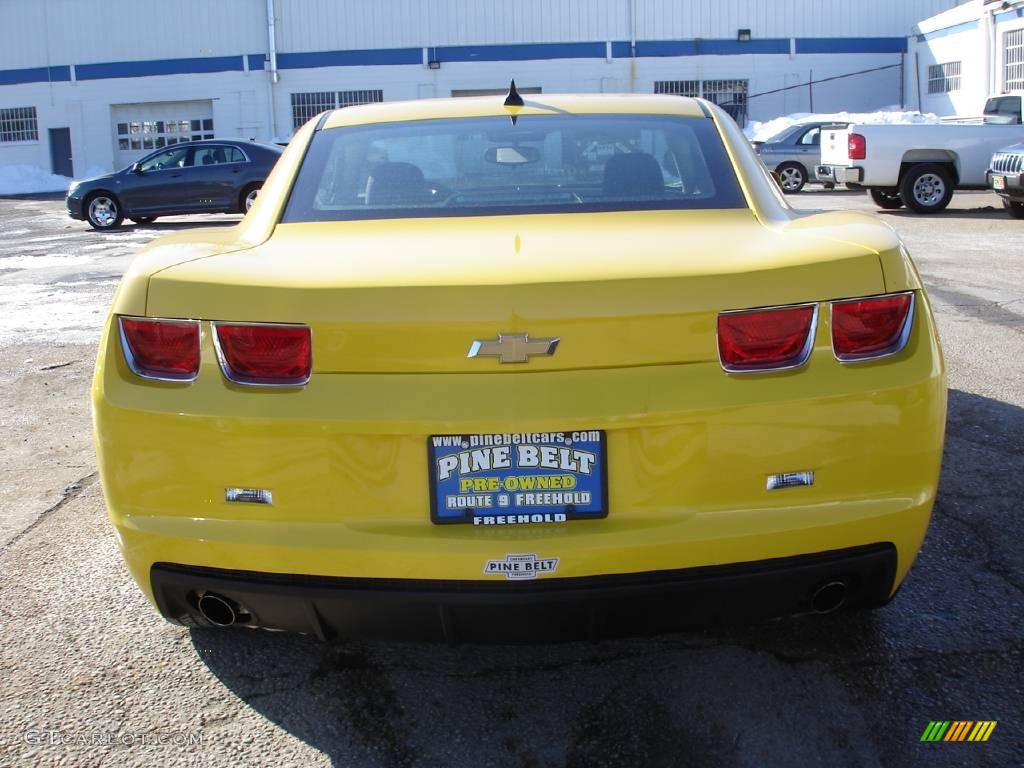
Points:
(91, 676)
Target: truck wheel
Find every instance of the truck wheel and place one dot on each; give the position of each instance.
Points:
(890, 201)
(1015, 209)
(926, 188)
(792, 177)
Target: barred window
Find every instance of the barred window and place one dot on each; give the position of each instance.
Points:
(1013, 60)
(943, 78)
(730, 95)
(352, 98)
(306, 106)
(19, 124)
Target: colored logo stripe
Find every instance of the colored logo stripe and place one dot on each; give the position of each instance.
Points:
(958, 730)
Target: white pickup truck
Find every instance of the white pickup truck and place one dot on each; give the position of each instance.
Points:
(919, 165)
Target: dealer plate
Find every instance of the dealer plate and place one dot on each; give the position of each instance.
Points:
(518, 479)
(998, 182)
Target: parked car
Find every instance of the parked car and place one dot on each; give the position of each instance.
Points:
(1006, 178)
(920, 165)
(485, 370)
(793, 154)
(210, 176)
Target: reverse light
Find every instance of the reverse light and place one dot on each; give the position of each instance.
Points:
(870, 328)
(778, 338)
(164, 350)
(264, 354)
(857, 147)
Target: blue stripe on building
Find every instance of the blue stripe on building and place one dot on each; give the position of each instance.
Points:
(159, 67)
(620, 49)
(851, 45)
(523, 52)
(655, 48)
(361, 58)
(36, 75)
(1009, 15)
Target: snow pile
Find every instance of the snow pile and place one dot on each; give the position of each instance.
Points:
(756, 131)
(28, 179)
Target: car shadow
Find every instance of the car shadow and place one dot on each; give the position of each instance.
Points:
(845, 688)
(981, 212)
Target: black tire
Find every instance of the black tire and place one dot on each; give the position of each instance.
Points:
(243, 199)
(890, 201)
(926, 188)
(792, 177)
(103, 211)
(1015, 209)
(142, 219)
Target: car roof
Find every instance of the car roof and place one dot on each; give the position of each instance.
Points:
(539, 104)
(234, 142)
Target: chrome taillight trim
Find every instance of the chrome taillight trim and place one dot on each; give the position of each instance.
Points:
(898, 346)
(805, 352)
(234, 378)
(129, 356)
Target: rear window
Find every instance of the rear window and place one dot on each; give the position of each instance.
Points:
(490, 166)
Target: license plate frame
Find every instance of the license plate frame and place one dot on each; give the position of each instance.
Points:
(998, 182)
(575, 465)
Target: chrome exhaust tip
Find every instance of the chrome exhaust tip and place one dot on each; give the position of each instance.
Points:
(829, 597)
(218, 610)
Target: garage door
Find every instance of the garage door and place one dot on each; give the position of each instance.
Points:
(140, 128)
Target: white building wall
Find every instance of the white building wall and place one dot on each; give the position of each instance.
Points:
(972, 34)
(83, 57)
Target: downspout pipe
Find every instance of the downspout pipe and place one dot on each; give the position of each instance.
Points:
(274, 77)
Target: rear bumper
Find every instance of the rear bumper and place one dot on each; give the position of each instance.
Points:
(536, 611)
(839, 174)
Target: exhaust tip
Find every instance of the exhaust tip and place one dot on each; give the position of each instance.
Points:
(218, 610)
(829, 597)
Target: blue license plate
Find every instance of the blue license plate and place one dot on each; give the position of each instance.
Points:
(518, 479)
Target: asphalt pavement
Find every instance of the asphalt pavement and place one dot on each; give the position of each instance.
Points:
(90, 675)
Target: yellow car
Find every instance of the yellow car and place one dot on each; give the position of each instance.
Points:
(501, 370)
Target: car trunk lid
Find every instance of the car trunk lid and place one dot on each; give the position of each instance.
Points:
(413, 295)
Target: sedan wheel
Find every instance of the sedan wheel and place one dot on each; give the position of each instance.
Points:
(250, 198)
(103, 212)
(792, 178)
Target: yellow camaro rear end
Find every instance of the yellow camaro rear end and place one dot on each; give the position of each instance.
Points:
(486, 369)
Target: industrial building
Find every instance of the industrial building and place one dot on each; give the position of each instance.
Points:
(82, 90)
(962, 56)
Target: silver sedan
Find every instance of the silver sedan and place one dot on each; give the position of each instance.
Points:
(793, 153)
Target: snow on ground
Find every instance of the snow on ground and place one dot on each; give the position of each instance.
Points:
(29, 180)
(756, 131)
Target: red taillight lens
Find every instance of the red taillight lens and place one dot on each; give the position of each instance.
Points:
(271, 355)
(161, 349)
(857, 147)
(868, 328)
(766, 339)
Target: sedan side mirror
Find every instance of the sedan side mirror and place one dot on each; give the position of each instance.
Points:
(136, 167)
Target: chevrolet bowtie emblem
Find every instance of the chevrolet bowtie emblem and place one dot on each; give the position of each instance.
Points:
(512, 347)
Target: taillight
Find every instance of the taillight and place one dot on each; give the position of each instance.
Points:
(166, 350)
(766, 339)
(857, 147)
(264, 354)
(866, 329)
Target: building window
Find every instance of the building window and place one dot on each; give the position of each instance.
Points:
(19, 124)
(943, 78)
(1013, 60)
(730, 95)
(154, 134)
(306, 106)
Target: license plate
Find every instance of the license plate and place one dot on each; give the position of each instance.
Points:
(518, 479)
(998, 182)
